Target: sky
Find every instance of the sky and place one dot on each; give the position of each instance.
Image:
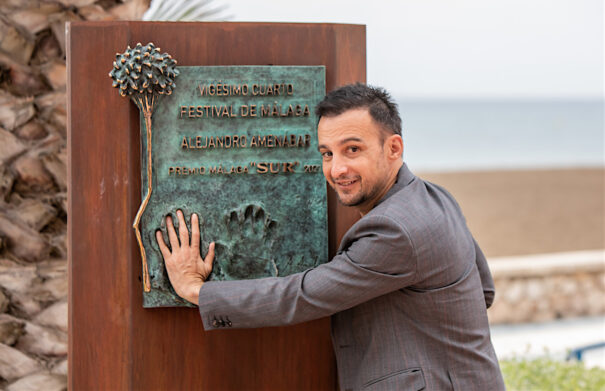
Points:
(512, 49)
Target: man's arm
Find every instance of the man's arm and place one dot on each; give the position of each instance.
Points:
(379, 259)
(487, 282)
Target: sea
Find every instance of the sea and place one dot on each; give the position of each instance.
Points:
(477, 135)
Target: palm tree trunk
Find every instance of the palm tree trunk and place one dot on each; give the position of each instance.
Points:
(137, 219)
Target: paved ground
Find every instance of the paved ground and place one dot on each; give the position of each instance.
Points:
(554, 338)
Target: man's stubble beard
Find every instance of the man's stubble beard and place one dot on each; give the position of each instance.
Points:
(362, 196)
(358, 199)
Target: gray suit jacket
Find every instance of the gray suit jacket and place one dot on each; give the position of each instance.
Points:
(407, 291)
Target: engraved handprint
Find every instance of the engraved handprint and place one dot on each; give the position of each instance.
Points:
(246, 251)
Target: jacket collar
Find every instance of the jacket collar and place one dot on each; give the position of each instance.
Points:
(404, 178)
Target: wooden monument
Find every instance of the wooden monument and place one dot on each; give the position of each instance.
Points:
(115, 343)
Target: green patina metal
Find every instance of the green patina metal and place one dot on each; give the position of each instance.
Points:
(143, 74)
(255, 181)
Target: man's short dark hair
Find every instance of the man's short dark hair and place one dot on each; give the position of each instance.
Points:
(377, 100)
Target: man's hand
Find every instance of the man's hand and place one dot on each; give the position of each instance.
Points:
(187, 270)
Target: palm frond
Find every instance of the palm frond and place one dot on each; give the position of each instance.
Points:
(184, 10)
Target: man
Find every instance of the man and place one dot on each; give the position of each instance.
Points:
(408, 288)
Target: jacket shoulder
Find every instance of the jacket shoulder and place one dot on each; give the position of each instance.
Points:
(380, 243)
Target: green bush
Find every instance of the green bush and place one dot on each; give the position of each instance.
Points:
(546, 374)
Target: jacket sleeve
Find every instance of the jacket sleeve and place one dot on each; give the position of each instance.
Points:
(489, 291)
(378, 258)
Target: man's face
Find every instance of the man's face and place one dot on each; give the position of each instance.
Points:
(354, 160)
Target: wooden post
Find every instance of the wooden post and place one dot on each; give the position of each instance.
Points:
(114, 343)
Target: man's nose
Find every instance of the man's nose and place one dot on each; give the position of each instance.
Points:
(339, 167)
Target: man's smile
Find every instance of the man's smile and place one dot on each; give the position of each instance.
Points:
(345, 184)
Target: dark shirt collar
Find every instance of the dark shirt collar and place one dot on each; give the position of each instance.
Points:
(404, 178)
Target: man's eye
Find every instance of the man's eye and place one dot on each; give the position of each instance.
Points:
(326, 154)
(354, 149)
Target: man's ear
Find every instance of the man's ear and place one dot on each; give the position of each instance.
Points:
(394, 146)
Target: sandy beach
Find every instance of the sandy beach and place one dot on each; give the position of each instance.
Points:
(531, 211)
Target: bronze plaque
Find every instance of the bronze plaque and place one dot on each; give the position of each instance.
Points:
(238, 146)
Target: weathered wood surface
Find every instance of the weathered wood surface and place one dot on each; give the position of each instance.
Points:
(115, 343)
